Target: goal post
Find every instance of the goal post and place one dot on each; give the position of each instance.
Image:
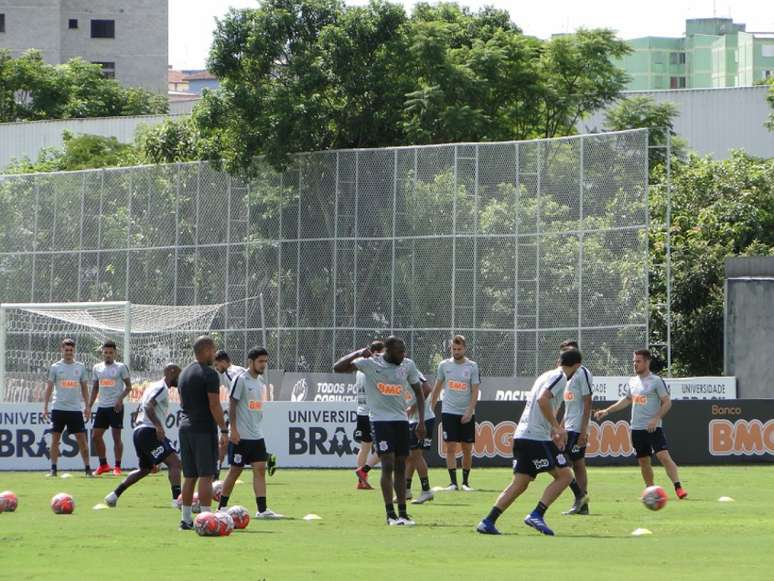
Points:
(148, 336)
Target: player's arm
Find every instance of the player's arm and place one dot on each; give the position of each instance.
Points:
(584, 429)
(233, 399)
(150, 413)
(419, 394)
(47, 398)
(621, 404)
(94, 393)
(124, 394)
(85, 395)
(558, 433)
(666, 405)
(345, 365)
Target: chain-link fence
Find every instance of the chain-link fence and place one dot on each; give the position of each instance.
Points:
(516, 245)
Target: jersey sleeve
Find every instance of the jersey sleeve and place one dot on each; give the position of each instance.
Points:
(84, 373)
(552, 383)
(412, 373)
(440, 374)
(212, 382)
(52, 374)
(588, 384)
(364, 364)
(661, 387)
(124, 374)
(237, 387)
(475, 375)
(157, 394)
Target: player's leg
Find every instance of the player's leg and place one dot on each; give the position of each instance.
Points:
(386, 483)
(365, 455)
(190, 477)
(467, 464)
(207, 452)
(451, 428)
(83, 448)
(98, 441)
(259, 487)
(579, 483)
(132, 478)
(410, 467)
(173, 474)
(54, 452)
(672, 471)
(118, 449)
(451, 464)
(562, 476)
(516, 488)
(234, 472)
(417, 459)
(646, 469)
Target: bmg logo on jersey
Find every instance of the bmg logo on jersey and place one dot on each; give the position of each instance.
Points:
(314, 440)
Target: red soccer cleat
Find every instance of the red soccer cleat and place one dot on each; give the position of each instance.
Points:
(102, 470)
(117, 471)
(362, 477)
(681, 493)
(364, 485)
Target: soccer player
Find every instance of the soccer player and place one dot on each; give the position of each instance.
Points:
(366, 458)
(577, 412)
(246, 399)
(417, 447)
(67, 379)
(459, 378)
(150, 442)
(111, 385)
(201, 416)
(537, 442)
(648, 395)
(386, 376)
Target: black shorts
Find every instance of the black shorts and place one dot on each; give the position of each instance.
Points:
(647, 443)
(572, 450)
(363, 430)
(108, 417)
(455, 431)
(198, 453)
(150, 450)
(73, 421)
(246, 452)
(425, 444)
(531, 457)
(391, 437)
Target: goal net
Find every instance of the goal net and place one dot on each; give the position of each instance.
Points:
(148, 336)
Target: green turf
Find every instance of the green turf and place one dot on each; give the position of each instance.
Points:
(699, 538)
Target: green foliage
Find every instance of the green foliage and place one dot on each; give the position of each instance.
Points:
(306, 75)
(31, 89)
(770, 99)
(168, 142)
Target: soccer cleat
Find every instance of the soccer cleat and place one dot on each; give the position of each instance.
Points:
(268, 514)
(407, 521)
(487, 527)
(184, 526)
(102, 470)
(394, 521)
(425, 496)
(111, 500)
(88, 474)
(363, 485)
(52, 474)
(536, 521)
(580, 506)
(468, 488)
(362, 476)
(452, 488)
(117, 471)
(271, 464)
(681, 493)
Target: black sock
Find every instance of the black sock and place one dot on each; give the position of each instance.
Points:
(366, 468)
(453, 475)
(541, 509)
(87, 469)
(103, 461)
(120, 489)
(53, 468)
(224, 501)
(576, 490)
(425, 483)
(408, 483)
(390, 509)
(118, 463)
(402, 511)
(261, 502)
(465, 476)
(175, 491)
(677, 485)
(494, 514)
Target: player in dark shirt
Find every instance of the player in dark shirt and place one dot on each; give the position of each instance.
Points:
(202, 415)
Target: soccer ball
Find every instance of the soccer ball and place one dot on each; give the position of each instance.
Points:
(654, 498)
(9, 501)
(207, 524)
(63, 503)
(217, 490)
(225, 524)
(240, 515)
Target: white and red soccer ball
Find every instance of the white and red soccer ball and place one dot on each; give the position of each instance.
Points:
(240, 515)
(217, 490)
(8, 501)
(63, 503)
(225, 524)
(206, 524)
(654, 498)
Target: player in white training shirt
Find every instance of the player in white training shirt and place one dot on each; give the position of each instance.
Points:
(366, 457)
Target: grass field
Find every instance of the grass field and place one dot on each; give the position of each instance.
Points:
(699, 538)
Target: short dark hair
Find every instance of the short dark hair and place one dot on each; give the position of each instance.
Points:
(644, 353)
(568, 344)
(459, 340)
(109, 344)
(256, 352)
(68, 341)
(202, 343)
(221, 355)
(376, 346)
(393, 341)
(570, 357)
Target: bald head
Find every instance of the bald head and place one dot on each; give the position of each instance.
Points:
(171, 374)
(204, 350)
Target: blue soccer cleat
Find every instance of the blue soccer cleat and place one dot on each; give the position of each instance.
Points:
(487, 527)
(536, 521)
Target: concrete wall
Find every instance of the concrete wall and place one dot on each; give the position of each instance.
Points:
(749, 324)
(24, 16)
(712, 121)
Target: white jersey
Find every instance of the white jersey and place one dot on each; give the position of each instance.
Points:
(362, 401)
(411, 399)
(111, 382)
(533, 425)
(228, 376)
(157, 395)
(578, 388)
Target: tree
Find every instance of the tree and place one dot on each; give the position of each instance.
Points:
(31, 89)
(168, 142)
(307, 75)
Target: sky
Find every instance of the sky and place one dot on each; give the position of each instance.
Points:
(191, 22)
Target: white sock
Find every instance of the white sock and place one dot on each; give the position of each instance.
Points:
(187, 514)
(206, 509)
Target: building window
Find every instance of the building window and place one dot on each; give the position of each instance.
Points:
(767, 50)
(103, 28)
(2, 22)
(72, 24)
(108, 69)
(677, 82)
(677, 58)
(767, 74)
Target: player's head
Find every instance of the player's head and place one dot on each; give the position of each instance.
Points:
(641, 361)
(257, 360)
(109, 351)
(67, 347)
(394, 350)
(171, 374)
(376, 347)
(568, 344)
(222, 361)
(458, 347)
(204, 350)
(570, 361)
